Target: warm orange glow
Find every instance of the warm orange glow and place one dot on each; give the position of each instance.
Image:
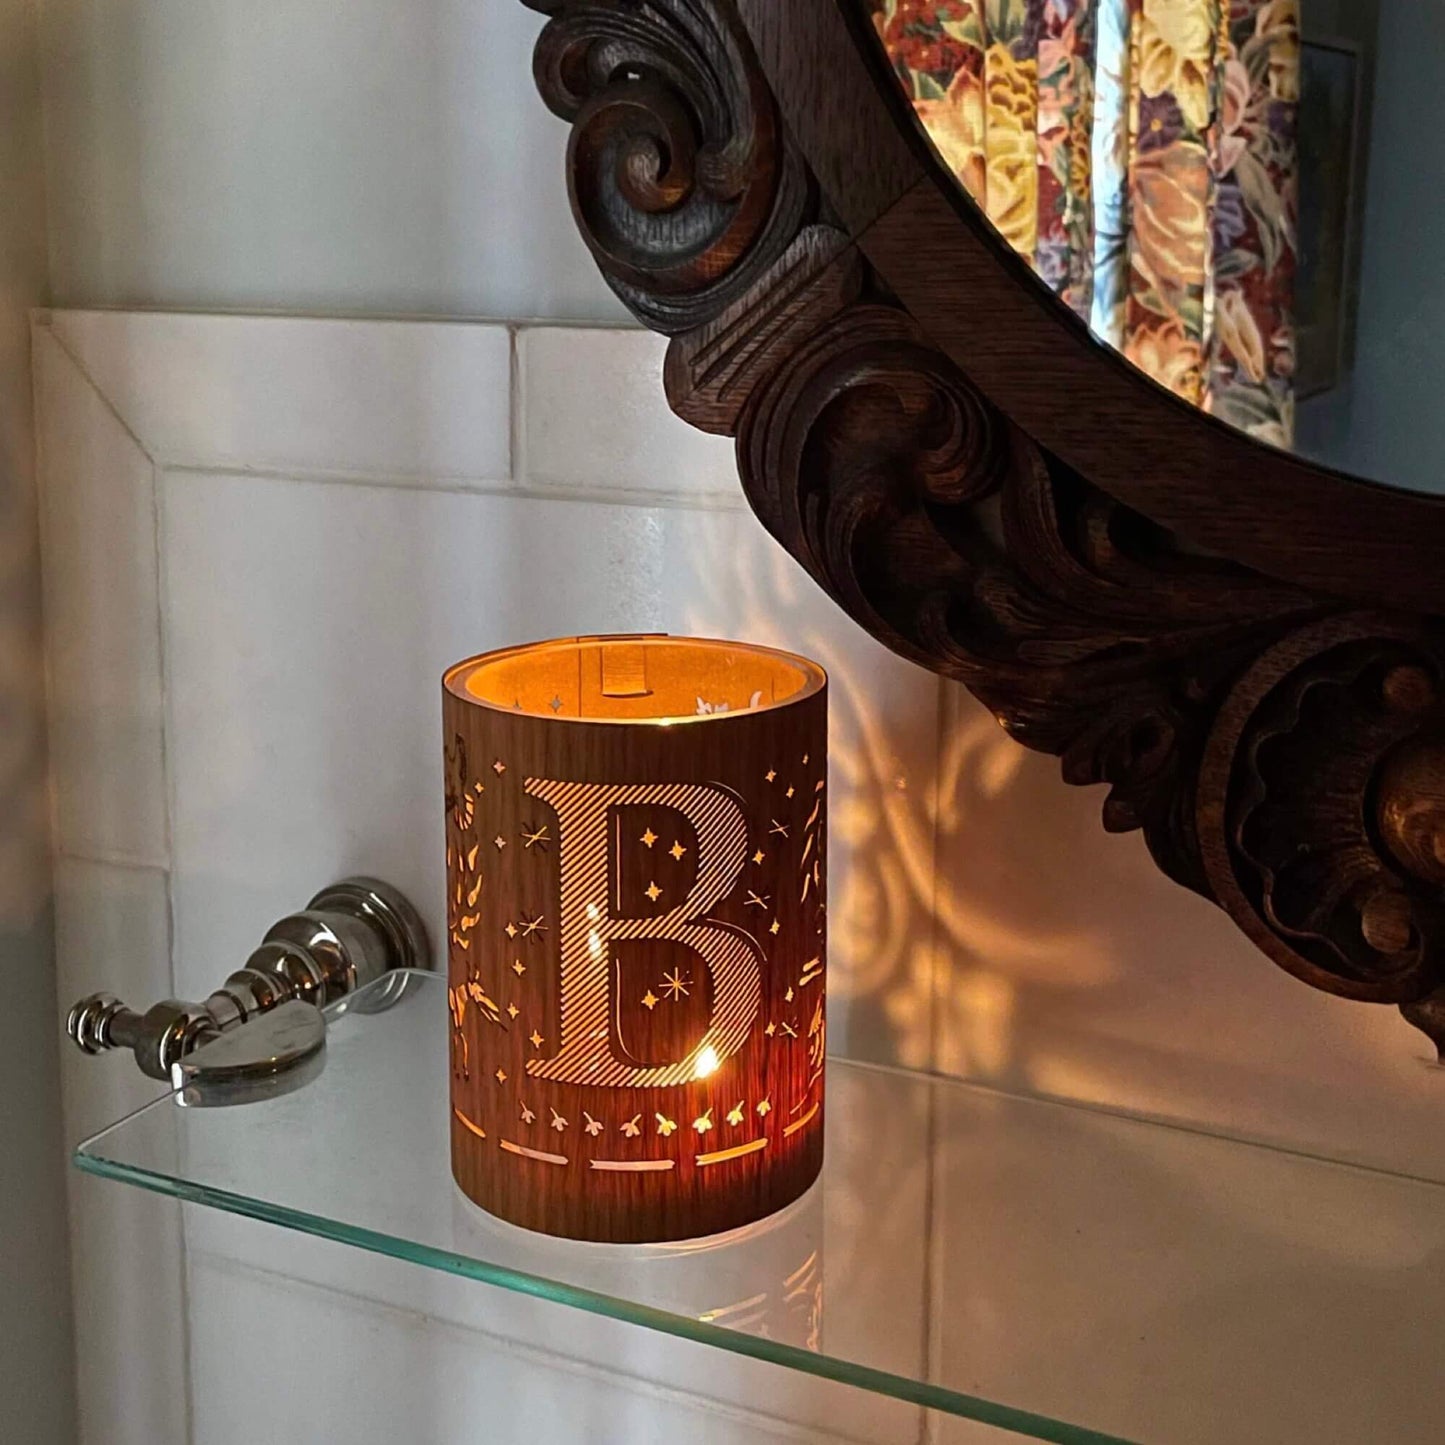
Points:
(635, 679)
(707, 1063)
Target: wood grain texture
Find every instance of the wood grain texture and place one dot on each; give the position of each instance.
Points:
(541, 1140)
(1246, 648)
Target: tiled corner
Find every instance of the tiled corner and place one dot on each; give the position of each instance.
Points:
(113, 933)
(592, 418)
(423, 400)
(102, 619)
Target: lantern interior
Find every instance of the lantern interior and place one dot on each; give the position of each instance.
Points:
(635, 679)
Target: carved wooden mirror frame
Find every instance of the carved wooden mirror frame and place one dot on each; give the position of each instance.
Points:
(1246, 647)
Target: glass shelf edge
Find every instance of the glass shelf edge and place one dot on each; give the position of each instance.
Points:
(881, 1382)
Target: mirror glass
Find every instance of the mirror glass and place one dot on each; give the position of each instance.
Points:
(1237, 195)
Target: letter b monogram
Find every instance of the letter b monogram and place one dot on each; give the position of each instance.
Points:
(587, 925)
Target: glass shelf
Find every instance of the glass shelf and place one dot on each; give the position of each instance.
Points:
(1063, 1273)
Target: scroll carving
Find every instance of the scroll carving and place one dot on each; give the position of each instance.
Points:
(681, 180)
(1282, 751)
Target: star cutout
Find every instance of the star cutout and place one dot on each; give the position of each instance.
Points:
(633, 1127)
(776, 928)
(677, 851)
(771, 1030)
(648, 838)
(510, 930)
(675, 985)
(790, 792)
(501, 1076)
(653, 891)
(788, 997)
(500, 841)
(759, 856)
(765, 1108)
(499, 767)
(518, 967)
(650, 1000)
(735, 1114)
(703, 1123)
(535, 1039)
(805, 760)
(771, 774)
(665, 1126)
(592, 1126)
(528, 1116)
(555, 704)
(512, 1010)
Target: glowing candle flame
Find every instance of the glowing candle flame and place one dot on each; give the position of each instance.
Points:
(707, 1063)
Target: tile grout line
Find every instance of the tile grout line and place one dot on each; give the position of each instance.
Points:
(162, 581)
(932, 1265)
(516, 420)
(717, 501)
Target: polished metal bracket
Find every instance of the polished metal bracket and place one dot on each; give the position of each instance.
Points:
(265, 1021)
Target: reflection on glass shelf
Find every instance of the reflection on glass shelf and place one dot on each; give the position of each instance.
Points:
(1062, 1273)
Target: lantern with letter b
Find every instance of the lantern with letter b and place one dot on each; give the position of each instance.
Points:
(636, 878)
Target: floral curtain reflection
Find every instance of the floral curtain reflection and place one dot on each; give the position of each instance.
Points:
(1141, 155)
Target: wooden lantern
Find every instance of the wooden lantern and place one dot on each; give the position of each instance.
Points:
(636, 864)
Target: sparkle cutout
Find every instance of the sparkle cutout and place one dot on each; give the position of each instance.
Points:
(510, 930)
(653, 891)
(674, 985)
(499, 767)
(530, 839)
(776, 928)
(677, 851)
(648, 838)
(555, 704)
(650, 1000)
(501, 1076)
(771, 774)
(531, 927)
(535, 1039)
(781, 829)
(771, 1030)
(788, 997)
(513, 1010)
(759, 856)
(519, 968)
(790, 792)
(500, 841)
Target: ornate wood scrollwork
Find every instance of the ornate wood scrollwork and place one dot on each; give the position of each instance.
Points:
(680, 176)
(1282, 749)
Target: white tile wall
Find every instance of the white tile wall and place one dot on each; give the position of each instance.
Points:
(113, 926)
(102, 620)
(265, 538)
(326, 549)
(592, 418)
